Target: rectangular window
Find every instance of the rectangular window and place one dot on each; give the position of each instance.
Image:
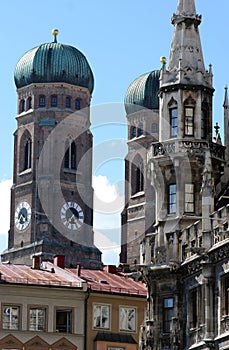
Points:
(37, 319)
(168, 305)
(42, 101)
(127, 319)
(64, 321)
(172, 199)
(173, 122)
(189, 198)
(189, 121)
(194, 306)
(11, 316)
(101, 316)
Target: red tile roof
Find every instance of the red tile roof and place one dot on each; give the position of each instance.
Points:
(111, 282)
(47, 275)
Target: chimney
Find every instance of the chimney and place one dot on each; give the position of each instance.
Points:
(59, 260)
(78, 270)
(36, 262)
(110, 269)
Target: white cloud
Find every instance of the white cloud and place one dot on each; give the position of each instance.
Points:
(108, 204)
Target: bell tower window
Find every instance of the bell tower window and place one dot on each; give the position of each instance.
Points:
(68, 102)
(189, 121)
(27, 155)
(137, 175)
(54, 101)
(70, 156)
(77, 104)
(140, 130)
(173, 122)
(133, 131)
(42, 101)
(22, 106)
(29, 102)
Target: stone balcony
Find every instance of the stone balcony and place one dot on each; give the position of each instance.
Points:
(189, 146)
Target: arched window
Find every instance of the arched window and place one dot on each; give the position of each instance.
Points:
(68, 102)
(77, 104)
(30, 102)
(204, 119)
(53, 101)
(133, 132)
(25, 151)
(173, 116)
(41, 101)
(189, 105)
(70, 155)
(140, 130)
(22, 106)
(137, 175)
(27, 154)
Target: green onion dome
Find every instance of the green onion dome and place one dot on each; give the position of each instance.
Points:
(143, 93)
(54, 62)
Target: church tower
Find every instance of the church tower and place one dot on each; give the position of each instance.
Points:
(142, 109)
(52, 194)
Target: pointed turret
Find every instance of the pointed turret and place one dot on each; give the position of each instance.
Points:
(186, 63)
(226, 134)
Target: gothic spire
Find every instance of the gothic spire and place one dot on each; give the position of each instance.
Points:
(186, 57)
(226, 104)
(186, 7)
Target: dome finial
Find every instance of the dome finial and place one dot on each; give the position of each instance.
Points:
(55, 32)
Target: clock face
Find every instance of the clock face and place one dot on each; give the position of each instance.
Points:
(22, 216)
(72, 215)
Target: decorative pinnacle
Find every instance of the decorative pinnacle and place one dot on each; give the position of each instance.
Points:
(217, 127)
(163, 60)
(55, 32)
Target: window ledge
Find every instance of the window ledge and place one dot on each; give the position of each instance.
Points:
(70, 171)
(25, 172)
(138, 194)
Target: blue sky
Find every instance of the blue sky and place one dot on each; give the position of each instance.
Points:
(122, 39)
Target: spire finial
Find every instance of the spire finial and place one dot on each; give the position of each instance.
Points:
(55, 32)
(225, 104)
(217, 137)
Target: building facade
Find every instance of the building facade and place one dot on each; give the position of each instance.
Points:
(184, 258)
(41, 308)
(48, 306)
(115, 309)
(52, 195)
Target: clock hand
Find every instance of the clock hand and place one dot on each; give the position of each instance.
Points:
(72, 219)
(22, 217)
